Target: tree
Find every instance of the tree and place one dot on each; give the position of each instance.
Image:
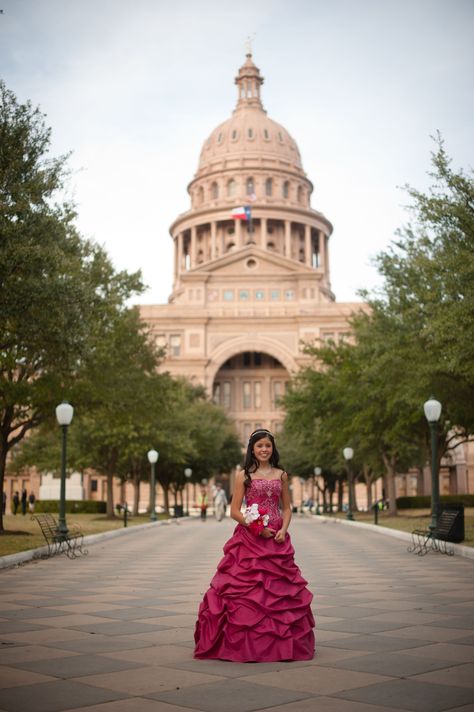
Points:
(57, 291)
(406, 344)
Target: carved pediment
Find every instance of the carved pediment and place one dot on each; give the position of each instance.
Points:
(250, 260)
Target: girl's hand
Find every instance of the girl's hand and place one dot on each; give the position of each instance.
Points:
(280, 536)
(267, 533)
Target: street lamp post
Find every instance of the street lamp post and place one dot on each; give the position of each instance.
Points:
(187, 473)
(64, 413)
(152, 459)
(348, 455)
(432, 409)
(317, 473)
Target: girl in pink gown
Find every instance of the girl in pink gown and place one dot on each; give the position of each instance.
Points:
(258, 608)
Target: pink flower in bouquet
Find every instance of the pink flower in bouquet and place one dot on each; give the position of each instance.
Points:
(257, 519)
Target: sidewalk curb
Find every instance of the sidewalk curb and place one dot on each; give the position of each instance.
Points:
(22, 557)
(459, 549)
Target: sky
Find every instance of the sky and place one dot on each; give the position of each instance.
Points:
(133, 89)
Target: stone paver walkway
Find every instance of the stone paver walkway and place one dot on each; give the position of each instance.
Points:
(113, 631)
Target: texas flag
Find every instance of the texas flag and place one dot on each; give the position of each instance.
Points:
(242, 213)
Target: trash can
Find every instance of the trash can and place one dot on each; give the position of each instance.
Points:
(456, 533)
(178, 510)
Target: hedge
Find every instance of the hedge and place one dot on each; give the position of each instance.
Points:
(424, 502)
(73, 506)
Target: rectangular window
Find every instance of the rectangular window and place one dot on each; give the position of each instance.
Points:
(94, 486)
(247, 358)
(257, 358)
(246, 431)
(226, 400)
(247, 396)
(289, 295)
(175, 344)
(257, 394)
(277, 393)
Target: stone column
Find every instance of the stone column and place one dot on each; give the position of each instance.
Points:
(179, 254)
(238, 233)
(322, 251)
(287, 238)
(213, 239)
(193, 247)
(307, 245)
(263, 233)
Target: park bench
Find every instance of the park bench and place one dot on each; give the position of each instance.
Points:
(437, 539)
(72, 543)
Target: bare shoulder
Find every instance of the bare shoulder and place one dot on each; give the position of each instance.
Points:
(283, 475)
(240, 476)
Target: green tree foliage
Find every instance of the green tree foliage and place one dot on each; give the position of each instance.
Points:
(414, 338)
(58, 292)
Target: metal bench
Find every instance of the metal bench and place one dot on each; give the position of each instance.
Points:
(437, 539)
(71, 543)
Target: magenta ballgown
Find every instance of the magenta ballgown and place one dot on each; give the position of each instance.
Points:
(257, 608)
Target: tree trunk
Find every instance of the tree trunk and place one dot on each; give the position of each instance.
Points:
(166, 499)
(3, 463)
(110, 496)
(340, 494)
(136, 494)
(391, 491)
(355, 508)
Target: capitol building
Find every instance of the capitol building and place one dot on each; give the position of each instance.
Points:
(248, 294)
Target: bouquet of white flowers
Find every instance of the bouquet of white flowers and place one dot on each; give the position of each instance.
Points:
(256, 519)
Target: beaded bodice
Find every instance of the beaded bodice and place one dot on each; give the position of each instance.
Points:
(266, 493)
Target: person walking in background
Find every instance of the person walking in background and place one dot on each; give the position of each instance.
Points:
(24, 501)
(220, 502)
(31, 502)
(203, 503)
(16, 502)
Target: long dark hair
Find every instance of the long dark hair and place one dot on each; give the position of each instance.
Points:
(251, 462)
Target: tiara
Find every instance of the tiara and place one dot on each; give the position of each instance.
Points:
(260, 430)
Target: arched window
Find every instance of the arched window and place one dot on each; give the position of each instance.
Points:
(268, 186)
(286, 189)
(200, 195)
(249, 187)
(214, 191)
(300, 194)
(231, 188)
(250, 133)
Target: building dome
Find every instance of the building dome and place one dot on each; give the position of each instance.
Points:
(250, 134)
(248, 143)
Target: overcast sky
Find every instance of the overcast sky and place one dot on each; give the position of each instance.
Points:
(134, 88)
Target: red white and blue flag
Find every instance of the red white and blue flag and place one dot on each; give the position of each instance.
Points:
(242, 213)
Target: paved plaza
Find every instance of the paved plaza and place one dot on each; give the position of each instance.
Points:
(113, 631)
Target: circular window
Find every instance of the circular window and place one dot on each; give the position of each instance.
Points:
(251, 263)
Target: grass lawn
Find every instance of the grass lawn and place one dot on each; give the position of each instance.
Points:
(409, 519)
(22, 532)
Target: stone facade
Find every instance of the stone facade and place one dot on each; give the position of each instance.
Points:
(248, 294)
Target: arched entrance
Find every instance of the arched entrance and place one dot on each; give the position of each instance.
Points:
(249, 386)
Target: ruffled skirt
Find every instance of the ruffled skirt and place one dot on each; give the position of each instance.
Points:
(257, 608)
